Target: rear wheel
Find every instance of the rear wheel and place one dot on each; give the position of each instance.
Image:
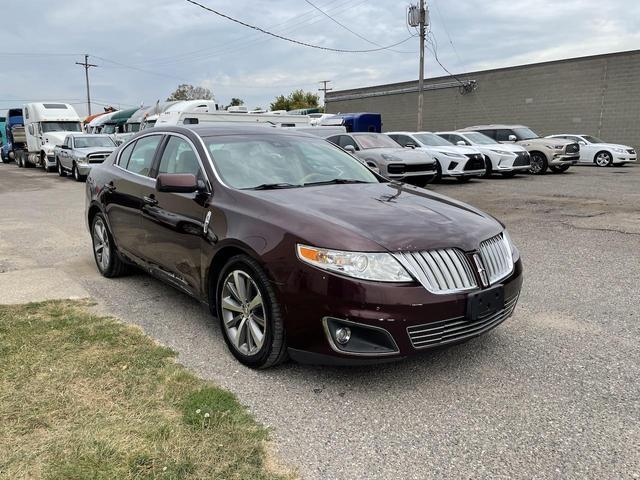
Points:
(603, 159)
(105, 254)
(249, 314)
(539, 163)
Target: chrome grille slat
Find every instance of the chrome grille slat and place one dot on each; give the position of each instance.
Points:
(496, 256)
(455, 329)
(445, 270)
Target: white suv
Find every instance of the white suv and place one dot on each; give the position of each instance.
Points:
(594, 150)
(505, 159)
(459, 162)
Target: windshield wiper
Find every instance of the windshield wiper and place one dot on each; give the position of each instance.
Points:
(336, 181)
(273, 186)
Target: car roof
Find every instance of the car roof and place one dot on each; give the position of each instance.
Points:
(493, 125)
(209, 130)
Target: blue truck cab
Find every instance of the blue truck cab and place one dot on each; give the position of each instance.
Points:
(357, 122)
(13, 134)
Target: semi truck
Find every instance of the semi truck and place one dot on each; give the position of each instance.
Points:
(14, 133)
(46, 125)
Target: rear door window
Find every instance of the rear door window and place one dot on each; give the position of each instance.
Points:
(489, 133)
(502, 135)
(141, 158)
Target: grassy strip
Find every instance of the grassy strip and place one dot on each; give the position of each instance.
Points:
(87, 397)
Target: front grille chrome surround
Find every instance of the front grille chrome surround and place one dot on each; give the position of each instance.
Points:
(496, 257)
(442, 271)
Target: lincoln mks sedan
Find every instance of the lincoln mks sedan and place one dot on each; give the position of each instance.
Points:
(299, 249)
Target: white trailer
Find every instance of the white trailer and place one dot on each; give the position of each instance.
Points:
(46, 125)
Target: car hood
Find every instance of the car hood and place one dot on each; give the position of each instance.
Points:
(88, 150)
(406, 155)
(544, 141)
(455, 149)
(373, 217)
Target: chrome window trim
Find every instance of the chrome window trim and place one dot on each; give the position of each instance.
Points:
(195, 150)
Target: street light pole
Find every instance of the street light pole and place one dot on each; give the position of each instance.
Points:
(422, 16)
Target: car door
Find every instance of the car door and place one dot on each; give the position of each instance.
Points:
(128, 192)
(173, 223)
(65, 152)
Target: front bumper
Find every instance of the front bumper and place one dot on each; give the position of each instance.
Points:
(561, 159)
(310, 296)
(625, 157)
(83, 168)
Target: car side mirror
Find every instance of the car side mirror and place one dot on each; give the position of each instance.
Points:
(513, 138)
(177, 183)
(410, 145)
(350, 148)
(65, 147)
(462, 143)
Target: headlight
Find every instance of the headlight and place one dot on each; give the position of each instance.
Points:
(618, 150)
(507, 239)
(555, 147)
(452, 155)
(502, 152)
(380, 267)
(81, 159)
(391, 158)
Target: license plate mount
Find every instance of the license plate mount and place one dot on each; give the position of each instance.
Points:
(485, 302)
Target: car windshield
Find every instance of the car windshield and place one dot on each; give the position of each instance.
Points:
(432, 140)
(524, 133)
(283, 161)
(591, 139)
(86, 142)
(60, 127)
(479, 138)
(374, 140)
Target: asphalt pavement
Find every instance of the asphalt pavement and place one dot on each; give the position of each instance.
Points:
(554, 392)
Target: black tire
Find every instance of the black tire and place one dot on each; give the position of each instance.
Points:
(61, 170)
(273, 350)
(6, 158)
(603, 159)
(539, 163)
(438, 175)
(115, 266)
(508, 174)
(488, 167)
(560, 169)
(76, 174)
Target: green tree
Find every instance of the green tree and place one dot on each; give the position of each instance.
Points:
(236, 102)
(189, 92)
(295, 100)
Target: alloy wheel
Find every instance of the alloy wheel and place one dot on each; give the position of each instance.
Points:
(603, 159)
(243, 313)
(101, 244)
(537, 163)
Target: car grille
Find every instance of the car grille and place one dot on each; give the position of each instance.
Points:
(400, 168)
(631, 151)
(97, 157)
(572, 148)
(522, 159)
(476, 162)
(440, 271)
(457, 329)
(496, 258)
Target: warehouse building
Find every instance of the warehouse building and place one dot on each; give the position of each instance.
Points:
(596, 95)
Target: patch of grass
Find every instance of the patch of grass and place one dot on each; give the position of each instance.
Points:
(87, 397)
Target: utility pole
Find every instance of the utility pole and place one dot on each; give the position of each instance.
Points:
(86, 66)
(324, 89)
(423, 16)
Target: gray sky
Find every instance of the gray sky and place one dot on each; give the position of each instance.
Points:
(145, 48)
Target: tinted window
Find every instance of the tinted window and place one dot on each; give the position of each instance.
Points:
(503, 135)
(488, 133)
(403, 140)
(374, 140)
(432, 140)
(125, 154)
(345, 140)
(57, 106)
(179, 157)
(141, 158)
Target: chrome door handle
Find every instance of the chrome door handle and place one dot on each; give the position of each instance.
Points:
(150, 200)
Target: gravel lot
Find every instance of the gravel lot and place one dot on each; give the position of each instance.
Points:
(552, 393)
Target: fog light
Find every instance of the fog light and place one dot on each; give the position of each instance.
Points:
(343, 335)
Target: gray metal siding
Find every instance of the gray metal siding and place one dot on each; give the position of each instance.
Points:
(596, 95)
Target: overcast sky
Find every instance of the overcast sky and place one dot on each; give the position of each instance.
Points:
(145, 48)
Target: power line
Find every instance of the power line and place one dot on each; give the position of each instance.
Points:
(297, 42)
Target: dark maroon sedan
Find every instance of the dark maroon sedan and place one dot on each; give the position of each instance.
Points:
(298, 248)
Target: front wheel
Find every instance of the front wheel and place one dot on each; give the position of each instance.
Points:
(105, 254)
(76, 174)
(603, 159)
(249, 314)
(539, 163)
